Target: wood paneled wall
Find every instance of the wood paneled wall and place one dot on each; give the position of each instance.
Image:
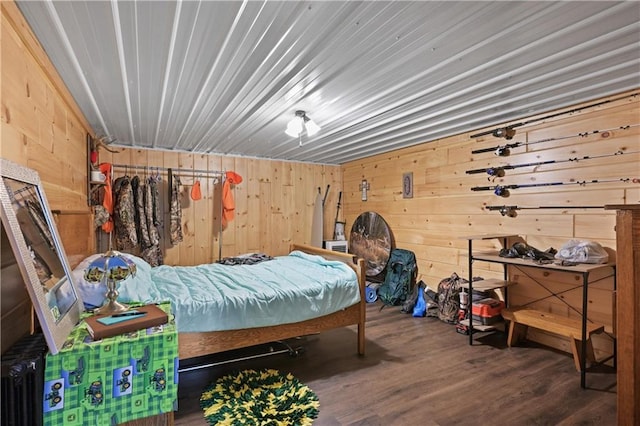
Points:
(274, 202)
(444, 209)
(41, 128)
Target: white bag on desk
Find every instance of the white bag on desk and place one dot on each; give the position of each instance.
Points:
(582, 252)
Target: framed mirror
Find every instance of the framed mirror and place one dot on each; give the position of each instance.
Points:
(34, 238)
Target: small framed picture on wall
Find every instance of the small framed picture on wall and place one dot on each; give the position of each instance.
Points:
(407, 185)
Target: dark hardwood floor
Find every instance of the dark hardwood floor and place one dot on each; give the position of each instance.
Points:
(419, 371)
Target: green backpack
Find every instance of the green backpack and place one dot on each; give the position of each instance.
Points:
(400, 277)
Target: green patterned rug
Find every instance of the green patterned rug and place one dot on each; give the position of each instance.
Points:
(259, 398)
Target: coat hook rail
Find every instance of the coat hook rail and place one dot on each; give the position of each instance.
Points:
(173, 169)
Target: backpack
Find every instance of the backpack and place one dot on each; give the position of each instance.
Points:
(402, 270)
(430, 300)
(449, 298)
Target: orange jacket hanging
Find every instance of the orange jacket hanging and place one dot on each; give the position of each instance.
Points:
(228, 203)
(196, 191)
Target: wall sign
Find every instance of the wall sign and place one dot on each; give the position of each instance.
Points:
(407, 185)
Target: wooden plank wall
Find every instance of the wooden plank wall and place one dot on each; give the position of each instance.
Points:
(444, 210)
(274, 202)
(41, 128)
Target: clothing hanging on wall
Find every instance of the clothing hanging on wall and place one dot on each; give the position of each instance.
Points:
(124, 214)
(140, 215)
(152, 252)
(175, 212)
(153, 203)
(228, 203)
(156, 212)
(196, 191)
(136, 216)
(107, 201)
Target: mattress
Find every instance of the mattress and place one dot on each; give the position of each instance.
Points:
(216, 297)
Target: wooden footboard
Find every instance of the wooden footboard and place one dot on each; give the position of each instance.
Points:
(197, 344)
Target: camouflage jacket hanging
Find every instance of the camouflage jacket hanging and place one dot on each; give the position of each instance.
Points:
(152, 253)
(126, 236)
(176, 210)
(154, 198)
(150, 203)
(141, 216)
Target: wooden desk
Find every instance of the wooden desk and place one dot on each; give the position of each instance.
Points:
(582, 269)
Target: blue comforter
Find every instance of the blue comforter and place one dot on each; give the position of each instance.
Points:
(216, 297)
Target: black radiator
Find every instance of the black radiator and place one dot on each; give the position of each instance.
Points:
(23, 382)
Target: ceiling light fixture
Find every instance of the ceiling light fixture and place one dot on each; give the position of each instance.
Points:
(300, 122)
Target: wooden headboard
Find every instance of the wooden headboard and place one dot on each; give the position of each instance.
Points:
(77, 234)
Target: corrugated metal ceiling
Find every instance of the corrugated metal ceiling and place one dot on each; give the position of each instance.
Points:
(226, 76)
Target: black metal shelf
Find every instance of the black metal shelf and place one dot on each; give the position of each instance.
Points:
(582, 269)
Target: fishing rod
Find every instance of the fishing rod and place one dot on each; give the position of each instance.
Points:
(338, 227)
(510, 211)
(505, 150)
(499, 171)
(503, 190)
(326, 192)
(509, 131)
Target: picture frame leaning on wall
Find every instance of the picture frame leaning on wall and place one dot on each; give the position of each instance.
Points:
(37, 247)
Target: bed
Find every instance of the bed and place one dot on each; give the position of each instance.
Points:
(326, 288)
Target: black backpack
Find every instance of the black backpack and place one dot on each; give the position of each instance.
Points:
(402, 270)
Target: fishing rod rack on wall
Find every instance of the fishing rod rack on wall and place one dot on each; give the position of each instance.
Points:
(508, 132)
(504, 150)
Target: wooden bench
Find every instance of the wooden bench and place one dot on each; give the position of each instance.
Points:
(520, 319)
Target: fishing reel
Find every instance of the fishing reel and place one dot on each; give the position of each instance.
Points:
(495, 172)
(503, 151)
(508, 211)
(504, 132)
(501, 191)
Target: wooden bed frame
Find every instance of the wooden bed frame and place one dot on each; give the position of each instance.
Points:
(192, 345)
